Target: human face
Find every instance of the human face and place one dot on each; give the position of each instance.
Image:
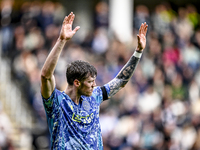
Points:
(87, 86)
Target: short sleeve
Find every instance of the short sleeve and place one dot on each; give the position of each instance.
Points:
(49, 103)
(101, 93)
(107, 90)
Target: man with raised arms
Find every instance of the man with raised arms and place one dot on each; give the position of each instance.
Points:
(73, 114)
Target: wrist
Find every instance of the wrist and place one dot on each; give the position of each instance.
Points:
(137, 54)
(139, 50)
(61, 40)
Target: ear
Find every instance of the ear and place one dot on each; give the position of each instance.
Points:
(77, 83)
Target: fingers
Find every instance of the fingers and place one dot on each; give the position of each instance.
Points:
(138, 37)
(140, 30)
(69, 18)
(143, 28)
(72, 19)
(76, 29)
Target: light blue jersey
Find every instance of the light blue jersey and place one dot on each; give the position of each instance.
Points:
(72, 126)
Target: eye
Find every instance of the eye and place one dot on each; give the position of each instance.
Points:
(91, 81)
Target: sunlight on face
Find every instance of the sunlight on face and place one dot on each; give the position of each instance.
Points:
(87, 86)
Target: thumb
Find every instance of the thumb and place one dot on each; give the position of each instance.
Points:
(76, 29)
(138, 38)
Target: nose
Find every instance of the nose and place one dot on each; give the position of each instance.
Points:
(94, 84)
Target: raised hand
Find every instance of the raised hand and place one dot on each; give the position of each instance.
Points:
(142, 37)
(66, 32)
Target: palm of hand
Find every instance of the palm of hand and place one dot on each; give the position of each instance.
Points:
(66, 30)
(142, 41)
(142, 36)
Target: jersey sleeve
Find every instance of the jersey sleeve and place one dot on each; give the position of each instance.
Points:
(49, 104)
(107, 90)
(101, 93)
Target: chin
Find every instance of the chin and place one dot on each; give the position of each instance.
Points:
(88, 94)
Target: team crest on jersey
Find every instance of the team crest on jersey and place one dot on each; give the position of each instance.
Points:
(86, 105)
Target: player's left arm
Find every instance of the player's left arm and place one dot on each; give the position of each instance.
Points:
(127, 71)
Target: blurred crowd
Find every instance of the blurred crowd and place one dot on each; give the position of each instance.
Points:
(159, 109)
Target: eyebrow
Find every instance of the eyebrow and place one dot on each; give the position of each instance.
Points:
(93, 79)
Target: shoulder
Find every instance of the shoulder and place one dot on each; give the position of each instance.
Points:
(98, 89)
(102, 90)
(55, 97)
(58, 92)
(100, 93)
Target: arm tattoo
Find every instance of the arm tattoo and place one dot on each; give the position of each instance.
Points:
(123, 76)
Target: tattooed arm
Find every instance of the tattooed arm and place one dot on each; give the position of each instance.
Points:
(123, 76)
(127, 71)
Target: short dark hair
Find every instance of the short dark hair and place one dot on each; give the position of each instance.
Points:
(79, 70)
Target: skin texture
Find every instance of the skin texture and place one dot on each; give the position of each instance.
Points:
(87, 86)
(123, 76)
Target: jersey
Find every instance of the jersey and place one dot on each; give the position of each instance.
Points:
(72, 126)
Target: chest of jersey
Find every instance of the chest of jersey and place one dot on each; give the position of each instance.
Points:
(83, 115)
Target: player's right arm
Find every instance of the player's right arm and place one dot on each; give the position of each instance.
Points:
(47, 77)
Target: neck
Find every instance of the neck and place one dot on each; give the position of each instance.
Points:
(71, 91)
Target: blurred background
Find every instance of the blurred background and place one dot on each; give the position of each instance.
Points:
(159, 109)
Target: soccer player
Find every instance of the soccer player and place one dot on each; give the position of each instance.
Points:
(73, 114)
